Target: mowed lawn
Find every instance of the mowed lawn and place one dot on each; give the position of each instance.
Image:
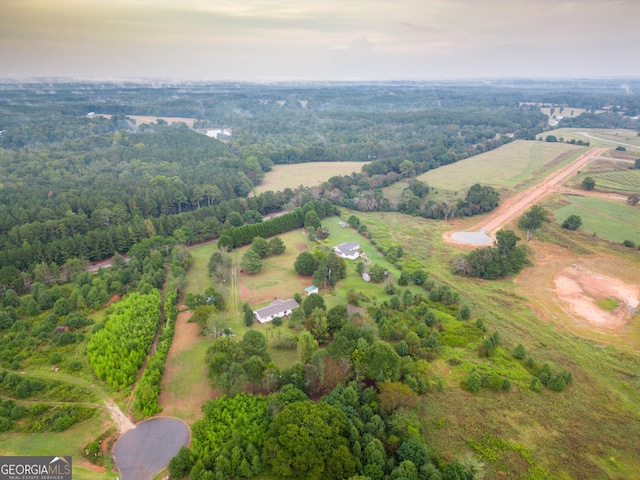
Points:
(515, 163)
(614, 221)
(278, 278)
(198, 278)
(307, 174)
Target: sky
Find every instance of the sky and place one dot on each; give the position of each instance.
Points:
(279, 40)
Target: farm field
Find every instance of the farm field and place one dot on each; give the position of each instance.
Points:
(619, 181)
(567, 112)
(613, 221)
(140, 119)
(598, 137)
(307, 174)
(518, 162)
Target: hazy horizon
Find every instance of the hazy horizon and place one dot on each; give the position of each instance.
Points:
(280, 41)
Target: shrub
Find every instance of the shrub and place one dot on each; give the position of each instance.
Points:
(535, 385)
(572, 222)
(75, 366)
(474, 382)
(55, 359)
(284, 340)
(519, 352)
(588, 183)
(629, 243)
(557, 383)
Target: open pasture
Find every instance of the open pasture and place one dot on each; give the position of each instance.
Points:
(598, 137)
(613, 221)
(515, 163)
(307, 174)
(566, 112)
(140, 119)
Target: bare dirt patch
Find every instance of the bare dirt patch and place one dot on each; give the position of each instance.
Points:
(595, 300)
(122, 422)
(581, 291)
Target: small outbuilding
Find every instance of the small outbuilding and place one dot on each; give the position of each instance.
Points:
(277, 308)
(311, 289)
(366, 277)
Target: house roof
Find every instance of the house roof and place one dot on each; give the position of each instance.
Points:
(277, 306)
(348, 249)
(312, 288)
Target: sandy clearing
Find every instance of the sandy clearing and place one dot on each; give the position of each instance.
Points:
(120, 419)
(580, 291)
(516, 205)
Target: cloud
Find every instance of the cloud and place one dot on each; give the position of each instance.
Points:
(318, 38)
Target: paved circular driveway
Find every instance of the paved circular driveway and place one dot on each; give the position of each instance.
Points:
(144, 451)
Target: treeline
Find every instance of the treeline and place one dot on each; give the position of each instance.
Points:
(26, 249)
(117, 351)
(602, 120)
(244, 235)
(148, 388)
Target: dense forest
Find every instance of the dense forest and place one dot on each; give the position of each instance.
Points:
(89, 186)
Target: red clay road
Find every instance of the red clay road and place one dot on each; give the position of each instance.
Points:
(517, 204)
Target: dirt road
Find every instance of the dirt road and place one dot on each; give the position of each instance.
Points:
(516, 205)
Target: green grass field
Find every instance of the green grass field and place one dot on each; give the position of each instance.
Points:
(598, 137)
(69, 442)
(614, 221)
(198, 278)
(192, 380)
(278, 277)
(518, 162)
(621, 181)
(307, 174)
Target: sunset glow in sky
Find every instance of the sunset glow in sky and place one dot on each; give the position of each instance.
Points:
(319, 39)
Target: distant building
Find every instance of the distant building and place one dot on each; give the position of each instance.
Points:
(277, 308)
(350, 250)
(311, 289)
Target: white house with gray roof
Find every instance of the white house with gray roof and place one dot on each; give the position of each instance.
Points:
(350, 250)
(277, 308)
